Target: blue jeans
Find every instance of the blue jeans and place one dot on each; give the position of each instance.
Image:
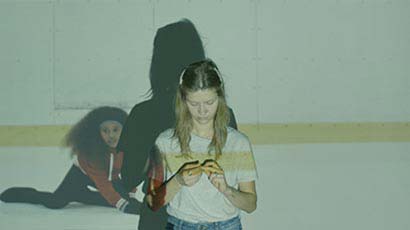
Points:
(178, 224)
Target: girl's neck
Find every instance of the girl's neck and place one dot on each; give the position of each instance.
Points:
(205, 131)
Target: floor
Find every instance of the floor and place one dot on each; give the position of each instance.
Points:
(305, 186)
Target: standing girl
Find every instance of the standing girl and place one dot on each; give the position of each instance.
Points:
(203, 170)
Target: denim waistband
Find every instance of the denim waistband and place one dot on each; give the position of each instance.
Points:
(231, 224)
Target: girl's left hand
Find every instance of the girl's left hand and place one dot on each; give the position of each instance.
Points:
(219, 181)
(216, 175)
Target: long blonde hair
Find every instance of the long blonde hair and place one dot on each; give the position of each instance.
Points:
(200, 76)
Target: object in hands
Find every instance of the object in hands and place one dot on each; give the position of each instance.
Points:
(211, 166)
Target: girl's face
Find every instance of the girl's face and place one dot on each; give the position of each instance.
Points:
(202, 105)
(110, 132)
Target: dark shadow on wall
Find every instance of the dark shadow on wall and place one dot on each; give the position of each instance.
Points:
(175, 46)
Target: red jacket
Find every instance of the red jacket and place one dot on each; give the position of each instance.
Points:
(103, 179)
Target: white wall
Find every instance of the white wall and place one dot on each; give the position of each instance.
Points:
(332, 186)
(283, 61)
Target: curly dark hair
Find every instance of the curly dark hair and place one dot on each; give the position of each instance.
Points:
(84, 138)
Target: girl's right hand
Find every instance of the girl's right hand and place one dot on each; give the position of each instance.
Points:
(211, 167)
(189, 173)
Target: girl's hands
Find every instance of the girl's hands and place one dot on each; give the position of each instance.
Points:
(211, 167)
(219, 181)
(189, 173)
(216, 175)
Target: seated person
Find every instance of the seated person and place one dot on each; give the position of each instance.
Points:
(94, 177)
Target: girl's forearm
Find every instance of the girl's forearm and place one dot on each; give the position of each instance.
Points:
(243, 200)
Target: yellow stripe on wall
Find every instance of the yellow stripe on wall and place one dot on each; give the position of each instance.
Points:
(327, 132)
(43, 135)
(52, 135)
